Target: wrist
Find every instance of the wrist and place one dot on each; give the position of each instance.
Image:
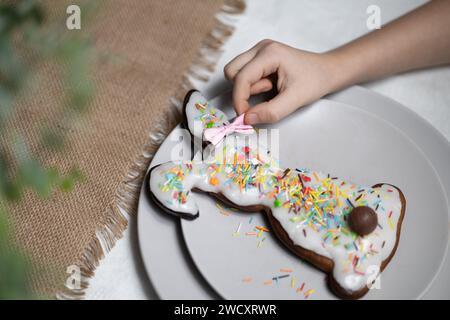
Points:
(342, 70)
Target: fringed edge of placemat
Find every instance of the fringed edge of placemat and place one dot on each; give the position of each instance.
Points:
(127, 195)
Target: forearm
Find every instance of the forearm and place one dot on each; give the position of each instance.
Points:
(417, 40)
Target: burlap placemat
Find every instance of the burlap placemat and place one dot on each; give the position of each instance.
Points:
(156, 48)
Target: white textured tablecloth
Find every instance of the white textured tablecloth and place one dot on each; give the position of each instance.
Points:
(315, 25)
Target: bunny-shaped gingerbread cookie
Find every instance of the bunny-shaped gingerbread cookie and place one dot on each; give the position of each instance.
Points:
(349, 231)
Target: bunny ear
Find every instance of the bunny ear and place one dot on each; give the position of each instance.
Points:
(200, 115)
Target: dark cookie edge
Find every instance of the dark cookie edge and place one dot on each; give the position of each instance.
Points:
(152, 196)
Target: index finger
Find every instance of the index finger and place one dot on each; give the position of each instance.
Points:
(233, 67)
(258, 68)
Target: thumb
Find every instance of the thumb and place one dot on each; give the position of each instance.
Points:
(273, 110)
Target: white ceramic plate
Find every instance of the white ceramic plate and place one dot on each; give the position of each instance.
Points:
(363, 130)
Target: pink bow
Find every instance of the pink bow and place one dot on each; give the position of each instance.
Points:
(215, 135)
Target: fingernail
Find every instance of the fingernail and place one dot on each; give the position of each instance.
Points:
(251, 118)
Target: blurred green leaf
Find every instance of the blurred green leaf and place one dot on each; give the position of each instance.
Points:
(66, 184)
(40, 43)
(33, 175)
(53, 139)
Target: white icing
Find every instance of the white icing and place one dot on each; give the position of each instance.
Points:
(246, 178)
(199, 113)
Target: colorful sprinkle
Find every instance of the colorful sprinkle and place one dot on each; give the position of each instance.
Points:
(281, 277)
(214, 181)
(261, 228)
(309, 293)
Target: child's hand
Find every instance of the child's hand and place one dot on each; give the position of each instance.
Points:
(302, 77)
(419, 39)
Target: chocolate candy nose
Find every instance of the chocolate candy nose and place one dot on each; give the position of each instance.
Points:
(363, 220)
